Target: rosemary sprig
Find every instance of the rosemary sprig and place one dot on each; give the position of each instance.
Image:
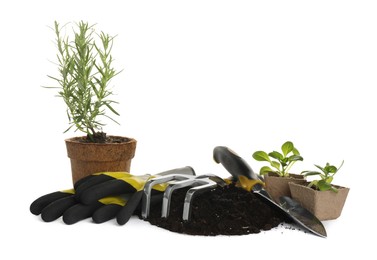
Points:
(85, 70)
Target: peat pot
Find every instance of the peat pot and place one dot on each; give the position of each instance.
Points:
(325, 205)
(89, 158)
(277, 186)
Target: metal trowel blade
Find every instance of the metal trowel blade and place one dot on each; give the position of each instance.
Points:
(302, 216)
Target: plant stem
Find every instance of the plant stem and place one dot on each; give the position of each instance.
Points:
(289, 166)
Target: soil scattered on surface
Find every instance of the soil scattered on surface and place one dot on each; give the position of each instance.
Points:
(222, 211)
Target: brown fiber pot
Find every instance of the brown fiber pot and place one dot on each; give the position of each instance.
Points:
(325, 205)
(277, 186)
(89, 158)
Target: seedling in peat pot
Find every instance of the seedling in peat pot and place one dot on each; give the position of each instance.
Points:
(281, 162)
(327, 175)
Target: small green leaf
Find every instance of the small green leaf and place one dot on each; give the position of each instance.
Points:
(284, 161)
(294, 158)
(112, 119)
(326, 168)
(331, 169)
(313, 183)
(264, 170)
(276, 155)
(295, 151)
(287, 147)
(49, 87)
(276, 165)
(340, 166)
(334, 189)
(51, 77)
(323, 185)
(261, 156)
(319, 167)
(310, 173)
(329, 179)
(112, 109)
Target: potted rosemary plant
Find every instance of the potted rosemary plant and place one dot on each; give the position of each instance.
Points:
(324, 199)
(277, 178)
(85, 71)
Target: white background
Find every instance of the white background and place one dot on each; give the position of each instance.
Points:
(197, 74)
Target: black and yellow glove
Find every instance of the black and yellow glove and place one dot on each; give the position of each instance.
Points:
(64, 203)
(52, 206)
(101, 196)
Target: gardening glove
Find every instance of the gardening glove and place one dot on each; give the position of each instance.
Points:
(61, 200)
(52, 206)
(108, 185)
(102, 196)
(64, 203)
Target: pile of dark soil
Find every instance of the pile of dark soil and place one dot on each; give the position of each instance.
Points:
(222, 211)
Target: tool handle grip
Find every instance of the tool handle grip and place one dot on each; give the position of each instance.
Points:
(233, 163)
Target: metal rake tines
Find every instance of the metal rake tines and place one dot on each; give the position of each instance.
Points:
(178, 181)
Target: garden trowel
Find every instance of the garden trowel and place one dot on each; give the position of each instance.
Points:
(237, 166)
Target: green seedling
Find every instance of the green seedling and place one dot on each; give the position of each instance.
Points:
(280, 162)
(327, 175)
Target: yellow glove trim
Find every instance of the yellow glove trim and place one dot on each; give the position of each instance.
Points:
(161, 186)
(70, 191)
(115, 175)
(137, 182)
(113, 200)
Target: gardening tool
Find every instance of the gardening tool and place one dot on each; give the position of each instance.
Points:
(200, 184)
(237, 166)
(102, 196)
